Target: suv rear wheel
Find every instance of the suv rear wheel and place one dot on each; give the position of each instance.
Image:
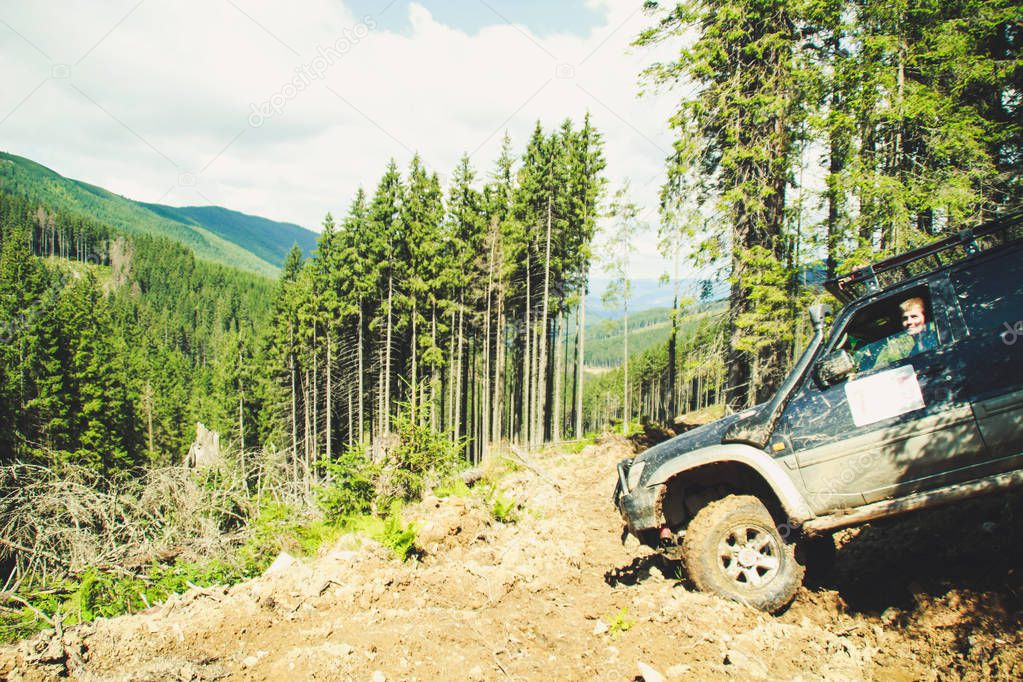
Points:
(732, 548)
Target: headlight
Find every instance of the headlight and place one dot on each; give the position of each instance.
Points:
(634, 473)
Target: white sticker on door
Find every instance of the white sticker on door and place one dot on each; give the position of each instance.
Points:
(884, 395)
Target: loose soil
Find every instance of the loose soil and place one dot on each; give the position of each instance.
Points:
(557, 596)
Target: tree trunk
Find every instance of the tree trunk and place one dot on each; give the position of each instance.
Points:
(673, 347)
(556, 396)
(351, 416)
(305, 434)
(580, 361)
(386, 416)
(527, 364)
(241, 421)
(315, 387)
(449, 393)
(541, 383)
(361, 391)
(294, 419)
(330, 402)
(459, 384)
(414, 386)
(838, 151)
(485, 430)
(381, 395)
(433, 371)
(625, 366)
(499, 382)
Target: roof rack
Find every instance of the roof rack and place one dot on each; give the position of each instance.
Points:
(951, 249)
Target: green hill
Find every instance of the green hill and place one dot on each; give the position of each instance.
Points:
(647, 329)
(212, 233)
(268, 239)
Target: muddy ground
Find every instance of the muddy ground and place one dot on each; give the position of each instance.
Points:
(557, 596)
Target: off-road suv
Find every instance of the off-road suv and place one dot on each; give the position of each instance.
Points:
(866, 426)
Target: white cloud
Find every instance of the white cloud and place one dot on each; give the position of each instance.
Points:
(158, 93)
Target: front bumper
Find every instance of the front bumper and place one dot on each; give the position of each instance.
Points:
(635, 506)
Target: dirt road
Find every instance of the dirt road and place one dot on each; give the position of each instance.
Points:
(556, 596)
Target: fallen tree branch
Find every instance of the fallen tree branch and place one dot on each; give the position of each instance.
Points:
(526, 462)
(15, 598)
(14, 545)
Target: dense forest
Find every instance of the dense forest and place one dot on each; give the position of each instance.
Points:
(448, 310)
(114, 346)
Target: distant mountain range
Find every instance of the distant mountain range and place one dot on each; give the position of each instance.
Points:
(646, 294)
(213, 233)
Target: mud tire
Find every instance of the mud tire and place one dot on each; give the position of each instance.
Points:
(732, 548)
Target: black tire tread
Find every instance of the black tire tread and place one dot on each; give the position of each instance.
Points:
(706, 575)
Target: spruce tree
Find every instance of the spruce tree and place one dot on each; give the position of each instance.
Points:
(735, 147)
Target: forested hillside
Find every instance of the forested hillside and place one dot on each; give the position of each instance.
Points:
(647, 329)
(212, 233)
(268, 239)
(446, 311)
(114, 346)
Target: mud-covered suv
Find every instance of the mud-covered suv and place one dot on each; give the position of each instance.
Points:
(875, 419)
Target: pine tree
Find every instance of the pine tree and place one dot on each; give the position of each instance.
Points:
(586, 165)
(503, 233)
(422, 216)
(735, 146)
(620, 245)
(465, 269)
(386, 249)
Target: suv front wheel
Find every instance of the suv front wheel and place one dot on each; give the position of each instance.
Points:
(732, 548)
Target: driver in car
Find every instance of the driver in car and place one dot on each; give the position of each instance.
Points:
(917, 334)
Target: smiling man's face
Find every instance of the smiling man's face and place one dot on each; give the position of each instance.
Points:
(913, 320)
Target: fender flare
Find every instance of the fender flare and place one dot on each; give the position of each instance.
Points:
(764, 465)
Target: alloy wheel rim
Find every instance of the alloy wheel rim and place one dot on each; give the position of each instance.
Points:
(749, 555)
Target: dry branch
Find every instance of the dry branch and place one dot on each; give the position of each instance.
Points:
(24, 602)
(526, 462)
(58, 523)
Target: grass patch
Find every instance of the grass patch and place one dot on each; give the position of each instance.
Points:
(277, 530)
(620, 624)
(574, 447)
(452, 486)
(504, 509)
(390, 531)
(97, 593)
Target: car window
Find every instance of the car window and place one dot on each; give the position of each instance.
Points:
(991, 296)
(890, 330)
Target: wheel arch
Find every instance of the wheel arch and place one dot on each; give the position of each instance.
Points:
(693, 480)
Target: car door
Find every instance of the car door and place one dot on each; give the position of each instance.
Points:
(989, 293)
(886, 430)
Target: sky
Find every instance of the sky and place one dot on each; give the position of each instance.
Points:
(284, 110)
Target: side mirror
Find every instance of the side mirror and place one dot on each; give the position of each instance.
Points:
(835, 367)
